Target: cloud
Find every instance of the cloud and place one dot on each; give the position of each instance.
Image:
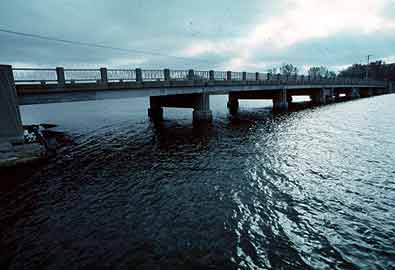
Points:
(301, 21)
(224, 34)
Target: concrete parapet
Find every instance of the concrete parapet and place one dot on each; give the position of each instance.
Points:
(11, 129)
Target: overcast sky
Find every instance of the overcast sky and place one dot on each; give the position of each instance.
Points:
(251, 35)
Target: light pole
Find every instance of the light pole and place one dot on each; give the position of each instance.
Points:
(367, 67)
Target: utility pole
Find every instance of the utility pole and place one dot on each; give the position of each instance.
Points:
(367, 67)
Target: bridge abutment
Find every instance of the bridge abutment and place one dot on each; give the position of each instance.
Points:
(11, 129)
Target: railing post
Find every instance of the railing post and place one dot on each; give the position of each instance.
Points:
(60, 76)
(191, 74)
(244, 76)
(103, 75)
(139, 75)
(166, 73)
(229, 75)
(211, 75)
(257, 76)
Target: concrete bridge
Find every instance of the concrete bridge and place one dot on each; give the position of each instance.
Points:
(165, 88)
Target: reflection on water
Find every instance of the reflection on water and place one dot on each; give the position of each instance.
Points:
(311, 189)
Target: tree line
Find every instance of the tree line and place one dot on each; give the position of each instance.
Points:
(378, 70)
(291, 70)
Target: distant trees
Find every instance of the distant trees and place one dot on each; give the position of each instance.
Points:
(272, 71)
(321, 72)
(288, 70)
(378, 70)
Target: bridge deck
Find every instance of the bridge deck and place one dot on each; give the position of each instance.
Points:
(53, 93)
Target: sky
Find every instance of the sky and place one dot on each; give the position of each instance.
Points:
(252, 35)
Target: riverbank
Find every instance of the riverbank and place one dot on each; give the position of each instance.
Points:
(24, 154)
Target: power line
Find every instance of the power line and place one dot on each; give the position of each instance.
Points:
(88, 44)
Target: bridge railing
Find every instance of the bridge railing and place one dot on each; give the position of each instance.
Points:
(121, 75)
(82, 75)
(103, 75)
(153, 75)
(35, 75)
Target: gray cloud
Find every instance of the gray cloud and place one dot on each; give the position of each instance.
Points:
(167, 27)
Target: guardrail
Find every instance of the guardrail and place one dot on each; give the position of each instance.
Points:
(63, 76)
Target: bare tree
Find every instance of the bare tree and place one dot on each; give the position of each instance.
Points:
(288, 70)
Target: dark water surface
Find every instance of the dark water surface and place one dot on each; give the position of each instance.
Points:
(313, 189)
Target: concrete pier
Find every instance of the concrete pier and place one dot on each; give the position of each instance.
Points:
(367, 92)
(200, 103)
(155, 111)
(11, 129)
(233, 104)
(280, 101)
(354, 93)
(318, 97)
(201, 110)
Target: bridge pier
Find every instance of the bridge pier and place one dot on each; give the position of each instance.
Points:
(201, 109)
(11, 129)
(366, 92)
(233, 103)
(155, 111)
(353, 94)
(280, 101)
(322, 96)
(200, 103)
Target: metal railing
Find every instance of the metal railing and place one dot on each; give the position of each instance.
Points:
(202, 75)
(220, 75)
(237, 76)
(121, 75)
(82, 75)
(103, 75)
(179, 75)
(34, 75)
(153, 75)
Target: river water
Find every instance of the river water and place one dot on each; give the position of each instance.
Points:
(312, 189)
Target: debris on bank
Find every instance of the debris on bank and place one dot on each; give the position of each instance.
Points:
(41, 143)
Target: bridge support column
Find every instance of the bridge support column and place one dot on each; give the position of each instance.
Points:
(200, 103)
(354, 93)
(11, 129)
(280, 101)
(366, 92)
(201, 110)
(319, 97)
(155, 112)
(233, 104)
